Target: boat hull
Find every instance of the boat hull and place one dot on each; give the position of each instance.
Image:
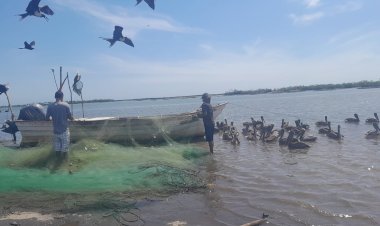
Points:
(186, 126)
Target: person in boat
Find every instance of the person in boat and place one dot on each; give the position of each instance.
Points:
(60, 113)
(208, 120)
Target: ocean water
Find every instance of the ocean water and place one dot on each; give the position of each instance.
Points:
(334, 183)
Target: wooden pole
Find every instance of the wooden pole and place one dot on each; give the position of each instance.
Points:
(71, 93)
(82, 104)
(10, 107)
(60, 77)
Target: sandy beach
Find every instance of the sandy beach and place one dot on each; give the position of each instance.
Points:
(177, 210)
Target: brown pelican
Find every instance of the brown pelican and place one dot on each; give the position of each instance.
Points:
(118, 36)
(302, 125)
(353, 120)
(284, 124)
(252, 135)
(34, 10)
(29, 45)
(372, 120)
(265, 130)
(295, 144)
(284, 140)
(335, 135)
(308, 138)
(326, 129)
(246, 129)
(373, 134)
(322, 123)
(272, 136)
(149, 2)
(257, 123)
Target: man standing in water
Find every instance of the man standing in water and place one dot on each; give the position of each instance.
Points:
(59, 111)
(208, 120)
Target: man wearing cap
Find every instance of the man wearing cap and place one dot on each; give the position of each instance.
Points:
(208, 120)
(60, 113)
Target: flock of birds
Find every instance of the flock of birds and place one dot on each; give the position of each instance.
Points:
(296, 137)
(33, 9)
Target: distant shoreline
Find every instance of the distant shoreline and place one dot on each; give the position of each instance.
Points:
(290, 89)
(320, 87)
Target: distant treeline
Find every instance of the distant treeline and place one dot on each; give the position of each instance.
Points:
(362, 84)
(91, 101)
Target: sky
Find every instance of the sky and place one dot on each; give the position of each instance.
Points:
(187, 47)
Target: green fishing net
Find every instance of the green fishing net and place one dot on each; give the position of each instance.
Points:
(96, 167)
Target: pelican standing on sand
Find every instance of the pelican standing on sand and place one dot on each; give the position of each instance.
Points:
(118, 36)
(29, 45)
(34, 10)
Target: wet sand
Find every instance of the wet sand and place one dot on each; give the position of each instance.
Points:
(176, 210)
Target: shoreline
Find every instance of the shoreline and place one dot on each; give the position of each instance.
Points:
(189, 208)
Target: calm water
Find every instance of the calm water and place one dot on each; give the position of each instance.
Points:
(335, 183)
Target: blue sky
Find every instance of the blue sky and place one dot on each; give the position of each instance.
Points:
(188, 47)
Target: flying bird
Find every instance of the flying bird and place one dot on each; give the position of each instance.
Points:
(34, 10)
(118, 36)
(29, 45)
(149, 2)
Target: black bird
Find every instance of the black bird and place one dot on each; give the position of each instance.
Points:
(29, 45)
(149, 2)
(3, 88)
(118, 36)
(34, 10)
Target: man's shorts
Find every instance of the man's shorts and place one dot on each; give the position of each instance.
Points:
(209, 133)
(62, 141)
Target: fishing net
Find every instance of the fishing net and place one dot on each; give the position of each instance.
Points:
(104, 178)
(94, 166)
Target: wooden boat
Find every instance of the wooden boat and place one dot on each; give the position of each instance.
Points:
(147, 129)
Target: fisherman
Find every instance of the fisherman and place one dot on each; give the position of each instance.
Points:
(208, 120)
(60, 113)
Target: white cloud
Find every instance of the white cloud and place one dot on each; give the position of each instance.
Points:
(121, 16)
(350, 6)
(326, 11)
(306, 18)
(312, 3)
(206, 47)
(359, 39)
(258, 66)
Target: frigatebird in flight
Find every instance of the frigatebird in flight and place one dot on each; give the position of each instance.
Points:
(29, 45)
(34, 10)
(149, 2)
(118, 36)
